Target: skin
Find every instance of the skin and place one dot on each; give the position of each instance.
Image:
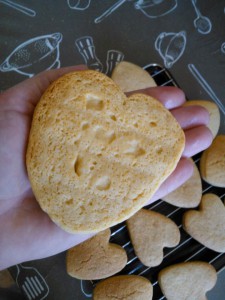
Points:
(27, 233)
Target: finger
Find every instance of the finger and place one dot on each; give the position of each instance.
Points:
(197, 140)
(169, 96)
(191, 116)
(180, 175)
(30, 90)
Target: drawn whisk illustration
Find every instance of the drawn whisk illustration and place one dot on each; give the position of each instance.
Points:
(25, 10)
(35, 55)
(170, 46)
(32, 283)
(86, 48)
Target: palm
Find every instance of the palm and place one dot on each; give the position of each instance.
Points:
(26, 227)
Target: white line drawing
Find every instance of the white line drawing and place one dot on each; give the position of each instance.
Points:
(18, 7)
(171, 46)
(33, 284)
(223, 48)
(35, 55)
(78, 4)
(201, 80)
(86, 288)
(113, 58)
(201, 23)
(110, 10)
(156, 8)
(86, 48)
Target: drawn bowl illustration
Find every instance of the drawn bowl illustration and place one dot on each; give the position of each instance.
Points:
(35, 55)
(156, 8)
(78, 4)
(171, 46)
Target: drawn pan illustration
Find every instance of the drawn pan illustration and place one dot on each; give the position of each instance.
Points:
(35, 55)
(171, 46)
(79, 4)
(85, 46)
(86, 287)
(201, 80)
(27, 11)
(32, 283)
(156, 8)
(113, 58)
(201, 23)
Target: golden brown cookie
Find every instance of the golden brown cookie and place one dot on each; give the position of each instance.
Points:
(188, 194)
(207, 225)
(124, 287)
(94, 156)
(95, 258)
(131, 77)
(150, 232)
(212, 162)
(214, 113)
(187, 281)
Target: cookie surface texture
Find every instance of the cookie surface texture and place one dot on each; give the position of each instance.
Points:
(188, 194)
(214, 113)
(95, 258)
(187, 281)
(150, 232)
(94, 156)
(207, 225)
(212, 162)
(131, 77)
(124, 287)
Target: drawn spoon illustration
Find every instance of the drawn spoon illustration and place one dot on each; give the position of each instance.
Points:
(32, 283)
(201, 23)
(35, 55)
(19, 7)
(194, 71)
(110, 10)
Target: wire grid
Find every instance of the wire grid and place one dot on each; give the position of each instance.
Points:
(188, 248)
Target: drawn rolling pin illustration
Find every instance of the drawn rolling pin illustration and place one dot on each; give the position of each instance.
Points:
(35, 55)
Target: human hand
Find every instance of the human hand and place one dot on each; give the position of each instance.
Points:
(27, 233)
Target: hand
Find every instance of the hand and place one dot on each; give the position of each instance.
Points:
(27, 233)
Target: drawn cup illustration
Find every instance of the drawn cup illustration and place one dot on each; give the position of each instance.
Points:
(35, 55)
(78, 4)
(155, 8)
(113, 58)
(86, 48)
(171, 46)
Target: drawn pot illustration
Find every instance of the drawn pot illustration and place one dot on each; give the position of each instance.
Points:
(35, 55)
(156, 8)
(78, 4)
(171, 46)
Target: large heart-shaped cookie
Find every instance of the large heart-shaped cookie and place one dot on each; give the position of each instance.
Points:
(94, 156)
(187, 281)
(207, 225)
(96, 258)
(150, 232)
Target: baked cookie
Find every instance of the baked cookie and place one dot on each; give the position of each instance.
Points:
(95, 258)
(94, 156)
(130, 77)
(188, 194)
(214, 113)
(124, 287)
(212, 162)
(187, 281)
(207, 225)
(150, 232)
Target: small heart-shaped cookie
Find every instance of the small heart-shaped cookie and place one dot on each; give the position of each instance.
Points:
(130, 77)
(214, 113)
(94, 156)
(188, 194)
(124, 287)
(207, 225)
(187, 281)
(95, 258)
(150, 232)
(212, 162)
